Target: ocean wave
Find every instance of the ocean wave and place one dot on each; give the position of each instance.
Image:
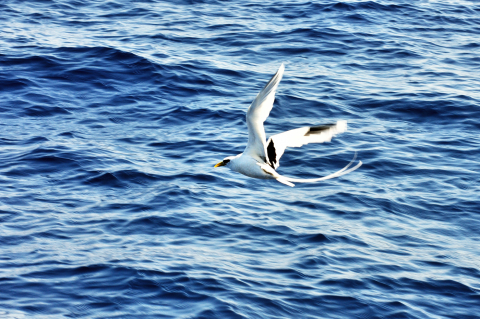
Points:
(113, 114)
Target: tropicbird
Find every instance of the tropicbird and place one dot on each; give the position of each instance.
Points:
(260, 159)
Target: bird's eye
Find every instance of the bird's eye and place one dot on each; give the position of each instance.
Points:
(225, 161)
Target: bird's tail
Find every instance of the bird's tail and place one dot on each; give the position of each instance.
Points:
(288, 181)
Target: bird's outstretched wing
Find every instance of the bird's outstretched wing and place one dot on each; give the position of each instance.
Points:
(257, 114)
(277, 144)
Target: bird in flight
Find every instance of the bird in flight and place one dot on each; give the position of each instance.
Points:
(260, 159)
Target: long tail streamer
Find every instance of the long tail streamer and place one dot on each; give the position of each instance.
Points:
(339, 173)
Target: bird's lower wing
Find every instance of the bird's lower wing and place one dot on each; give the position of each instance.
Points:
(277, 144)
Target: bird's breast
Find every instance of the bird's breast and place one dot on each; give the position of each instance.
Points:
(248, 166)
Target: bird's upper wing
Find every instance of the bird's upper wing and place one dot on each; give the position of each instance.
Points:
(257, 114)
(295, 138)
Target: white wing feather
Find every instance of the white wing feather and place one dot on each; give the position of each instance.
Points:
(257, 114)
(277, 144)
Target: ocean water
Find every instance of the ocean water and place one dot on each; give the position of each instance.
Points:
(113, 114)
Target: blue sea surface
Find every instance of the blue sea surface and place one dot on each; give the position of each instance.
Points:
(113, 114)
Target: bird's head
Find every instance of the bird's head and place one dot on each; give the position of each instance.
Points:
(225, 161)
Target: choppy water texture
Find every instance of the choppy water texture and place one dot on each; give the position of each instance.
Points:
(113, 113)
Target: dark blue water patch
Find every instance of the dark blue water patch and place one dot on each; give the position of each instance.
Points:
(49, 163)
(45, 111)
(183, 116)
(37, 140)
(42, 62)
(312, 34)
(443, 287)
(123, 178)
(53, 234)
(312, 239)
(302, 51)
(161, 286)
(389, 53)
(100, 65)
(9, 85)
(105, 179)
(472, 272)
(155, 225)
(35, 98)
(432, 110)
(126, 14)
(370, 7)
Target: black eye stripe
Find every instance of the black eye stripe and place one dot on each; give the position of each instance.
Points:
(226, 161)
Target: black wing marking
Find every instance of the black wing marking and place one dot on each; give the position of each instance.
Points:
(319, 128)
(271, 154)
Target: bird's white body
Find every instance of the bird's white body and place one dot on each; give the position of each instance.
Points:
(261, 158)
(249, 166)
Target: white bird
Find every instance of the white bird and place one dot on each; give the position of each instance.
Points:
(260, 159)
